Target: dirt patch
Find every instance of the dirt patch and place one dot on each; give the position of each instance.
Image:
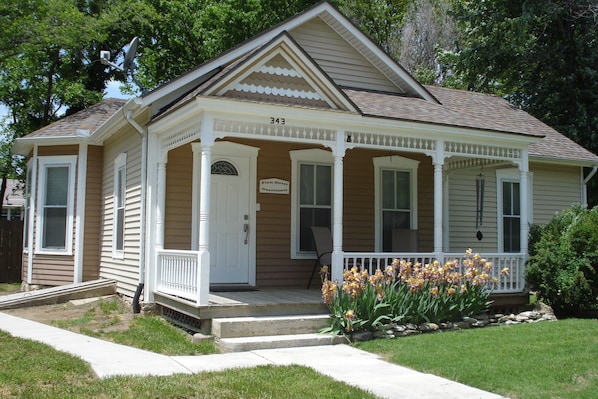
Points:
(95, 315)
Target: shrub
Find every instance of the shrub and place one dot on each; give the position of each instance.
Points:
(408, 293)
(563, 266)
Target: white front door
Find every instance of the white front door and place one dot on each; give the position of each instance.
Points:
(230, 229)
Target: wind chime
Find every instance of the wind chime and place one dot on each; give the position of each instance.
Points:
(479, 189)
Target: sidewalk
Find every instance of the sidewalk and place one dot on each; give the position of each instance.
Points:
(341, 362)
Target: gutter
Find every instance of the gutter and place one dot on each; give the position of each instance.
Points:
(143, 133)
(584, 187)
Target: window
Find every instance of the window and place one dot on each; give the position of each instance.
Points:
(509, 208)
(55, 204)
(311, 197)
(396, 201)
(511, 215)
(120, 185)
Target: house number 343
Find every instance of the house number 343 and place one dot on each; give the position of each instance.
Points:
(277, 121)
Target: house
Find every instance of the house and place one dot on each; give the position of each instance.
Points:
(214, 179)
(13, 202)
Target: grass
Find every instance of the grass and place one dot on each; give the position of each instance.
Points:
(32, 370)
(144, 332)
(9, 288)
(530, 361)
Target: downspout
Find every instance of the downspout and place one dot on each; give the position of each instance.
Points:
(584, 198)
(143, 133)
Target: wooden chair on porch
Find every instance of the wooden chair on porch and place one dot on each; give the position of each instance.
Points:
(404, 240)
(323, 243)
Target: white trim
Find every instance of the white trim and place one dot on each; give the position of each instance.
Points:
(32, 211)
(510, 175)
(314, 155)
(80, 215)
(69, 161)
(120, 162)
(396, 163)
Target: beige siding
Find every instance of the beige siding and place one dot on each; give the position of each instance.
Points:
(124, 271)
(274, 266)
(93, 210)
(338, 59)
(462, 211)
(556, 187)
(49, 269)
(179, 177)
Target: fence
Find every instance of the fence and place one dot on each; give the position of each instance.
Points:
(11, 250)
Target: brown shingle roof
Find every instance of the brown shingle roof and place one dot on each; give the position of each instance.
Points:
(473, 110)
(87, 119)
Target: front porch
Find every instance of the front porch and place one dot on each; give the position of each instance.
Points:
(178, 278)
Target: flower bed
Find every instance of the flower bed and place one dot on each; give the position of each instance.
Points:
(408, 294)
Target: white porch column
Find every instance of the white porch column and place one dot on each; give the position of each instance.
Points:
(337, 206)
(524, 201)
(438, 162)
(203, 275)
(195, 190)
(160, 202)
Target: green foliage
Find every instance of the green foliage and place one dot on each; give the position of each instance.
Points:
(408, 293)
(563, 266)
(186, 33)
(542, 55)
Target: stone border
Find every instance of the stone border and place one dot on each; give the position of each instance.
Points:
(541, 312)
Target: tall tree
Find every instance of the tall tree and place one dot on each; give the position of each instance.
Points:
(49, 62)
(540, 54)
(428, 30)
(188, 32)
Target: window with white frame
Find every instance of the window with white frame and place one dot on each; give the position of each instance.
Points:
(395, 185)
(54, 231)
(311, 198)
(120, 185)
(509, 208)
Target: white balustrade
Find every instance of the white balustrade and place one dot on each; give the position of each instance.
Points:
(177, 273)
(514, 282)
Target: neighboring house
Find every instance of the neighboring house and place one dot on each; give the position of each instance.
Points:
(215, 178)
(13, 202)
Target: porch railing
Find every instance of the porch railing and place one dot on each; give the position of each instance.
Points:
(514, 282)
(177, 273)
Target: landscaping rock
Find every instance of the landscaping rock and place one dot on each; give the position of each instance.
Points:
(362, 336)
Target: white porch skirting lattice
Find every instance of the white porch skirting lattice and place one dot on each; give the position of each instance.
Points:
(178, 271)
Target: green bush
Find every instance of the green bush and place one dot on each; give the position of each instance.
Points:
(408, 293)
(563, 262)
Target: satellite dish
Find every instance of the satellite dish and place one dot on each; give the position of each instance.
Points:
(129, 63)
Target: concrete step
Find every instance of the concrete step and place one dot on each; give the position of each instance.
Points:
(236, 327)
(244, 344)
(60, 294)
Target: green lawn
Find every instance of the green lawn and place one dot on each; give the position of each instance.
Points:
(531, 361)
(32, 370)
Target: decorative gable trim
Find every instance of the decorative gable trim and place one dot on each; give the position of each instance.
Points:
(281, 72)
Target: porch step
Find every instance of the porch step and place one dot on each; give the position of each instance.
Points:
(235, 327)
(243, 344)
(237, 334)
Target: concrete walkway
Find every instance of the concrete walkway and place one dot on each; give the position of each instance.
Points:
(341, 362)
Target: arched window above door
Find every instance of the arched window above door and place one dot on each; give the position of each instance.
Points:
(224, 168)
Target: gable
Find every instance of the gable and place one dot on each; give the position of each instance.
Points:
(281, 72)
(333, 42)
(340, 60)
